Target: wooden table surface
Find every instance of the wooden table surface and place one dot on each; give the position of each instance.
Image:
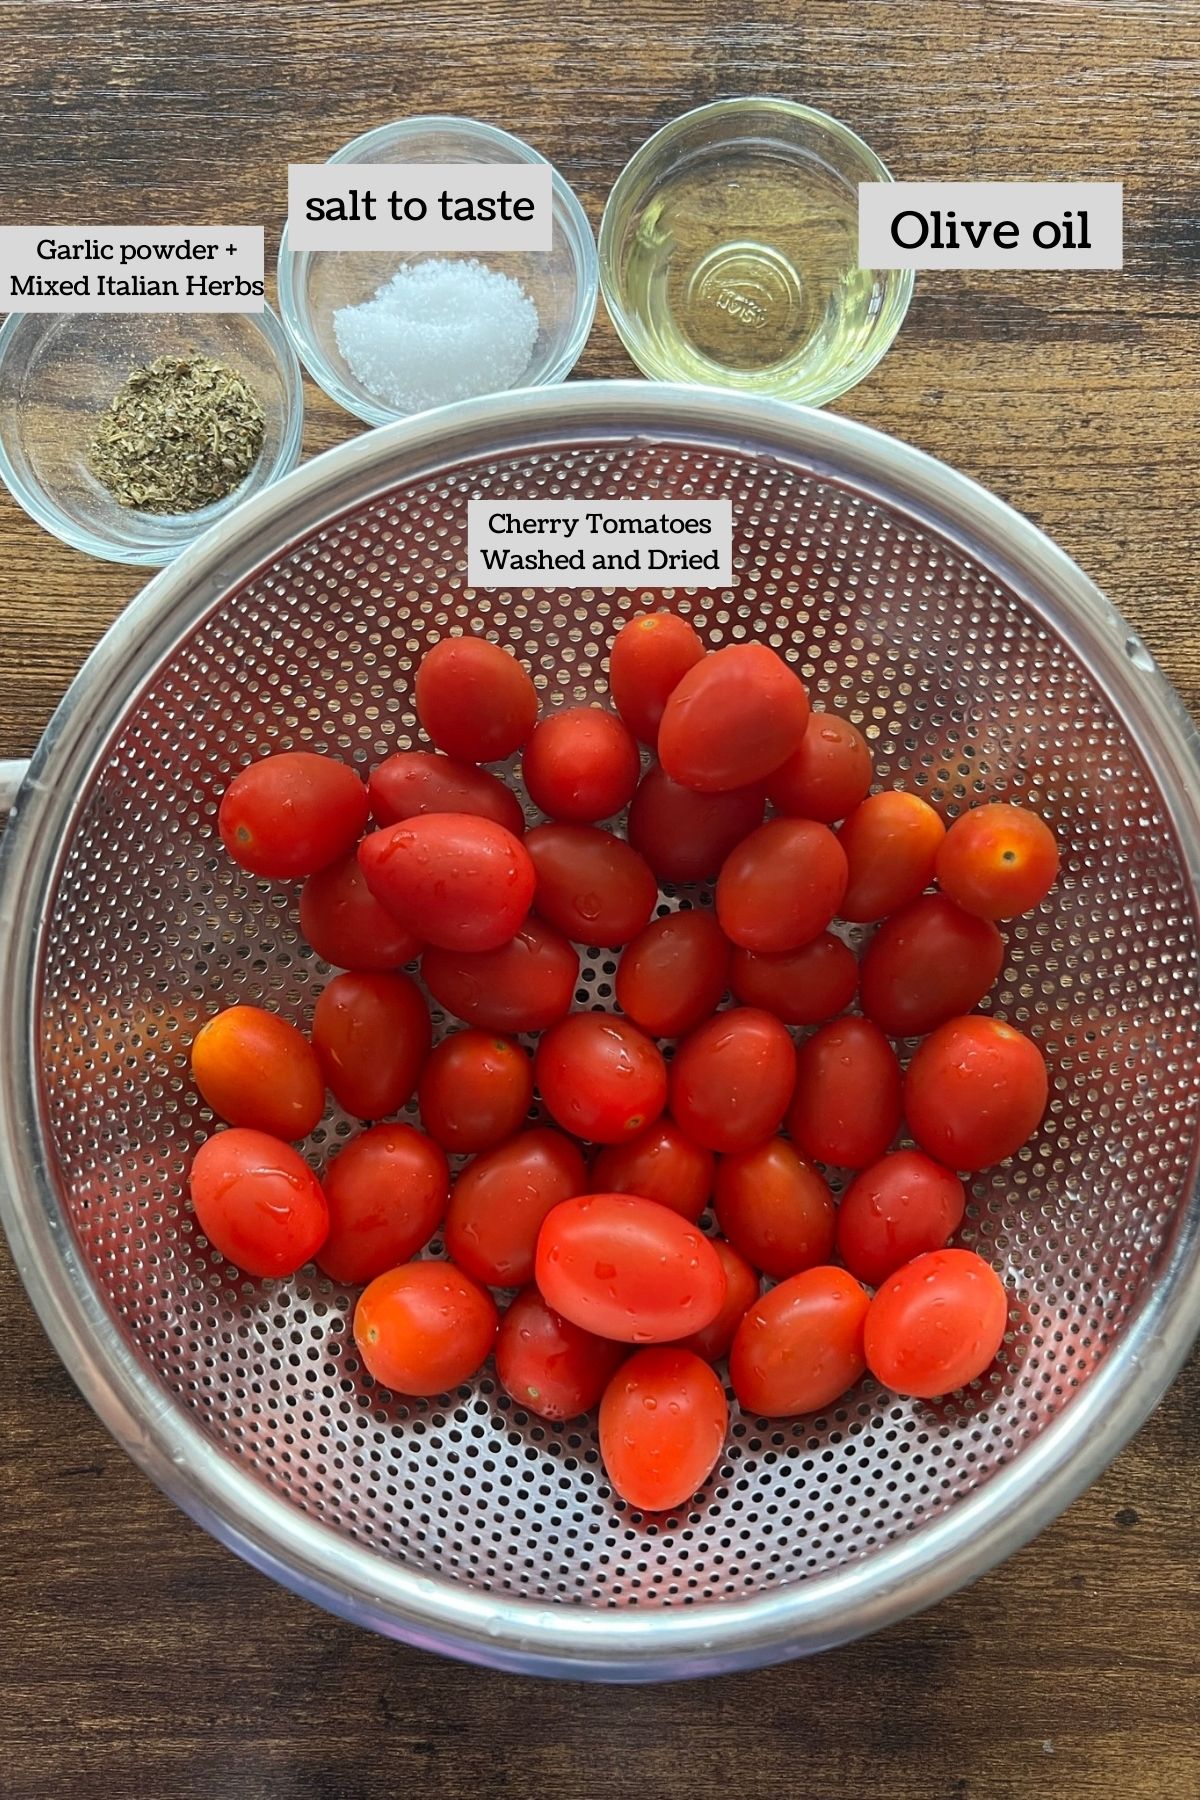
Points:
(138, 1659)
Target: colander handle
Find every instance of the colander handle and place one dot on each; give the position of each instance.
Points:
(12, 774)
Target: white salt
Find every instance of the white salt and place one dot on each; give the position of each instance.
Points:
(439, 331)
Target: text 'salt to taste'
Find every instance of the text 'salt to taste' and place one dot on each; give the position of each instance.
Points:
(420, 206)
(990, 225)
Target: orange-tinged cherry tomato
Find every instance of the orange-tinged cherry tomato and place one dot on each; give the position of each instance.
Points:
(424, 1328)
(371, 1032)
(900, 1207)
(800, 1347)
(347, 925)
(673, 974)
(458, 881)
(581, 765)
(827, 775)
(591, 886)
(929, 962)
(936, 1324)
(649, 658)
(474, 699)
(801, 987)
(847, 1107)
(663, 1420)
(254, 1068)
(424, 781)
(998, 861)
(475, 1090)
(258, 1202)
(891, 843)
(686, 836)
(501, 1199)
(525, 985)
(775, 1208)
(550, 1366)
(627, 1268)
(732, 1078)
(975, 1092)
(732, 719)
(781, 886)
(290, 814)
(600, 1077)
(387, 1192)
(661, 1164)
(713, 1341)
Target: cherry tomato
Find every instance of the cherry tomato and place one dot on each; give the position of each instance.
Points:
(627, 1268)
(347, 926)
(781, 886)
(550, 1366)
(891, 842)
(413, 782)
(591, 886)
(475, 1090)
(732, 1078)
(387, 1193)
(800, 1346)
(975, 1092)
(998, 861)
(649, 657)
(661, 1164)
(900, 1207)
(258, 1202)
(775, 1209)
(847, 1107)
(663, 1420)
(929, 962)
(936, 1324)
(290, 814)
(501, 1198)
(827, 776)
(255, 1069)
(801, 987)
(371, 1033)
(474, 699)
(581, 765)
(674, 973)
(713, 1341)
(525, 985)
(600, 1077)
(732, 719)
(686, 836)
(458, 881)
(424, 1328)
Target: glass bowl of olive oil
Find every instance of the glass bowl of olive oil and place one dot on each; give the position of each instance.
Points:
(729, 253)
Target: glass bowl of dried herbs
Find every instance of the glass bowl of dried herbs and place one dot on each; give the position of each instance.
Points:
(129, 434)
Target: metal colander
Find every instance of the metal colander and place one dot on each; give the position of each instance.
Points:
(979, 662)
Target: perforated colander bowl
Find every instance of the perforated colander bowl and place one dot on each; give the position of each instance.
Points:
(979, 661)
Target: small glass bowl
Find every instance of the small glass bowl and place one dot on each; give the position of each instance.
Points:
(58, 374)
(562, 282)
(729, 253)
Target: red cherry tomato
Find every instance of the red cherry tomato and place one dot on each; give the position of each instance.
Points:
(732, 1078)
(732, 719)
(929, 962)
(387, 1193)
(413, 782)
(891, 843)
(975, 1092)
(827, 776)
(626, 1268)
(713, 1341)
(847, 1107)
(500, 1200)
(686, 836)
(254, 1068)
(475, 700)
(475, 1090)
(998, 861)
(663, 1420)
(775, 1209)
(424, 1328)
(600, 1077)
(800, 1346)
(591, 886)
(801, 987)
(347, 926)
(936, 1324)
(290, 814)
(525, 985)
(781, 886)
(900, 1207)
(674, 973)
(649, 657)
(581, 765)
(458, 881)
(661, 1164)
(258, 1202)
(371, 1033)
(550, 1366)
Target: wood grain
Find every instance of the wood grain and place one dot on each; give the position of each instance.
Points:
(139, 1659)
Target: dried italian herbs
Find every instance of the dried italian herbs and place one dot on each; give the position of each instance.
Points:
(181, 432)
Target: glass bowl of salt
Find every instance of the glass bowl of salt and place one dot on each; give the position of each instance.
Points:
(387, 334)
